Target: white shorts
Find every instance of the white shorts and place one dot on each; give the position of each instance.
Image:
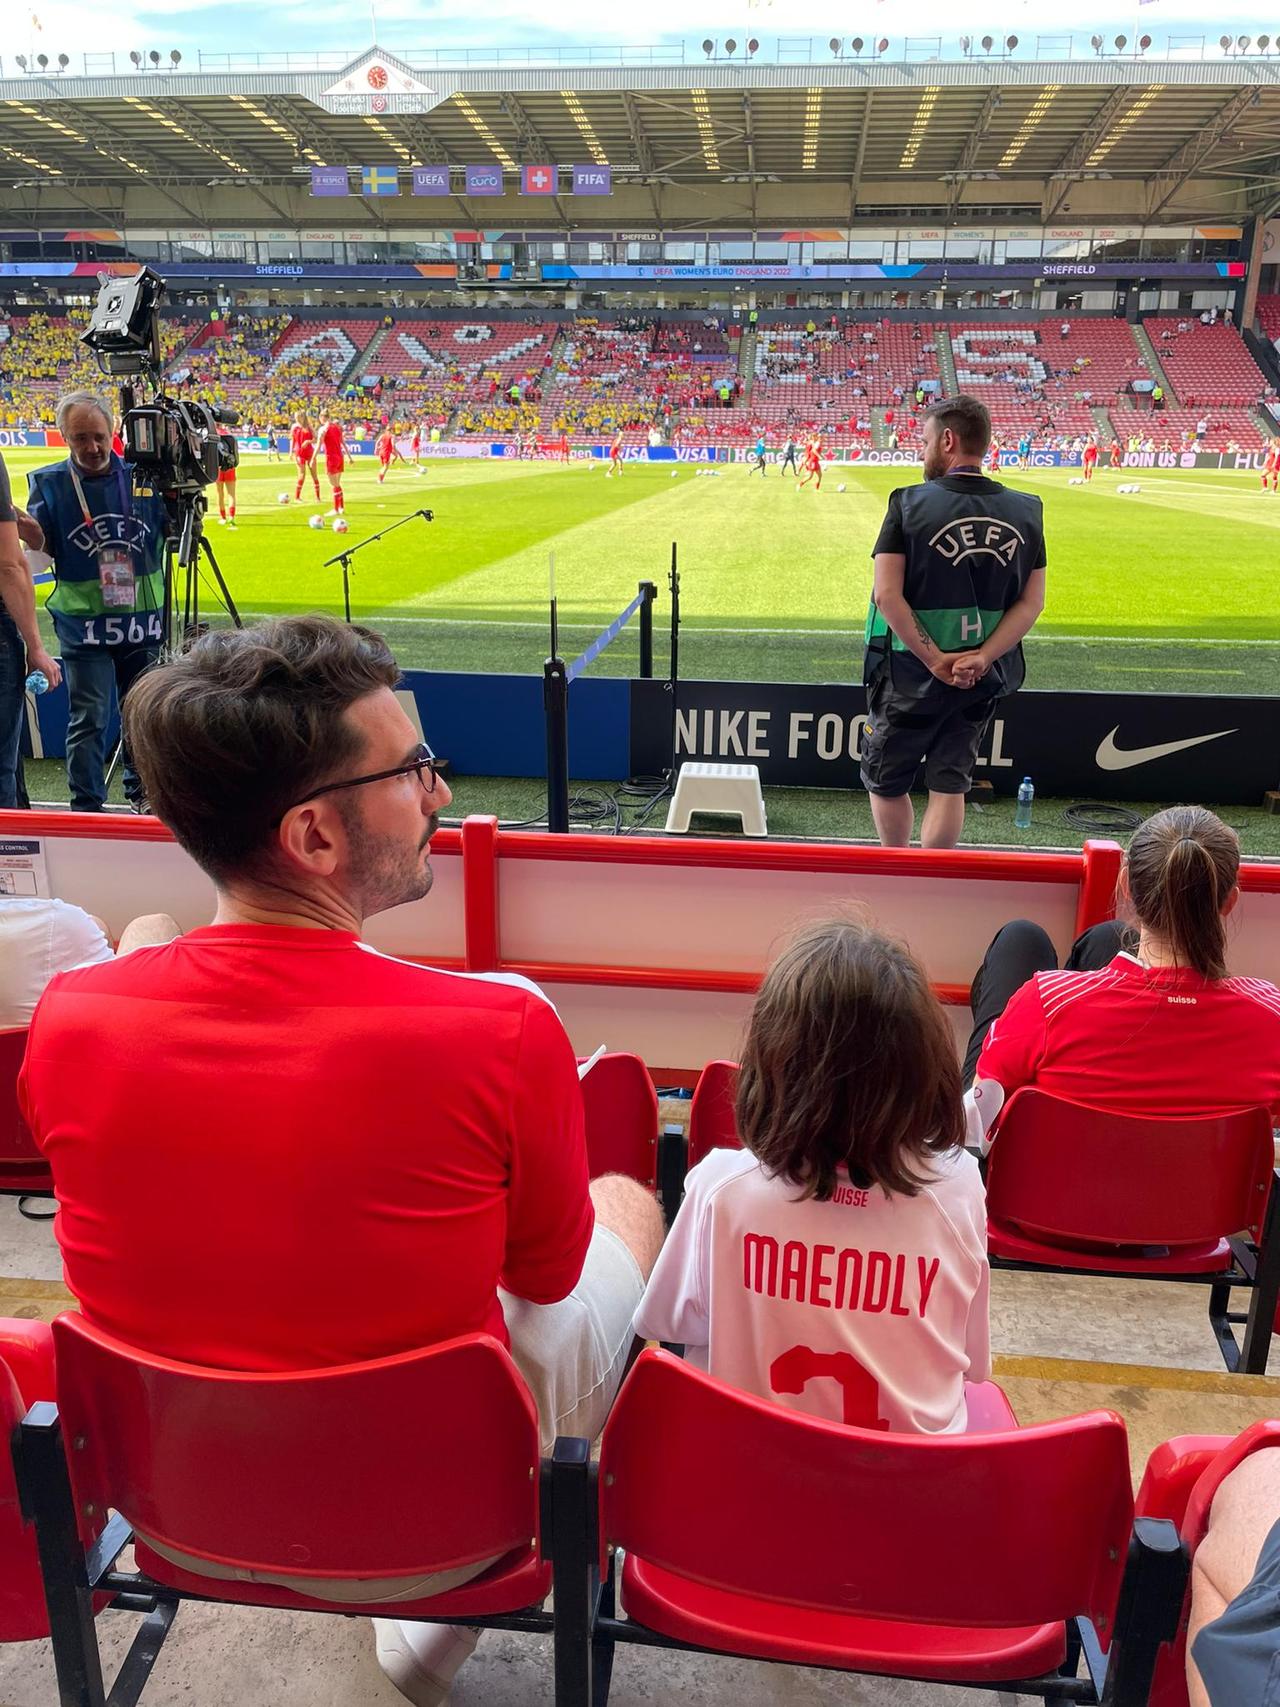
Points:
(572, 1355)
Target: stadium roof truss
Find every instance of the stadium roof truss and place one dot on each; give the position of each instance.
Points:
(717, 144)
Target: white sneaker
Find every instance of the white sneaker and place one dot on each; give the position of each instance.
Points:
(422, 1660)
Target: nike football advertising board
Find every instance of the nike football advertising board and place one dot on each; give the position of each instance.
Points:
(1094, 746)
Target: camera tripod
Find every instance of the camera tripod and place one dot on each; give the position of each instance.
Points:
(187, 548)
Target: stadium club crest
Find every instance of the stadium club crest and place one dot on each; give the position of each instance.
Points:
(378, 83)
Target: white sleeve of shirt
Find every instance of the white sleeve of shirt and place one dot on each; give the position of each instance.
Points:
(982, 1105)
(966, 1209)
(676, 1306)
(75, 939)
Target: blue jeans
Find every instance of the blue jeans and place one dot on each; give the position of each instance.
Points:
(97, 677)
(13, 708)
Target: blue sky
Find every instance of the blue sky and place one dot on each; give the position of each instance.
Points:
(333, 25)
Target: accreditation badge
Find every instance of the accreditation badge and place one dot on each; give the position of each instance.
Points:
(116, 577)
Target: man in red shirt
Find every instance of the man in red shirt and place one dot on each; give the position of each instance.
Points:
(334, 461)
(361, 1154)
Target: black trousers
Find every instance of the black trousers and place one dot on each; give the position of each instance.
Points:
(1018, 951)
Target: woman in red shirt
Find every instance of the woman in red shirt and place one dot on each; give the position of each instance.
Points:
(1143, 1022)
(302, 448)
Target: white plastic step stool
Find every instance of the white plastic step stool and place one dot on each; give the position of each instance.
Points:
(732, 790)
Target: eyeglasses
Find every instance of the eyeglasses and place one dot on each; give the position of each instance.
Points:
(423, 760)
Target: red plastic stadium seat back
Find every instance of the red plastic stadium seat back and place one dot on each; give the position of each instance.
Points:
(1069, 1172)
(1170, 1686)
(16, 1143)
(621, 1109)
(1021, 1528)
(712, 1125)
(411, 1464)
(26, 1375)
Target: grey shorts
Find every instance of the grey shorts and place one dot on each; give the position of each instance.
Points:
(943, 732)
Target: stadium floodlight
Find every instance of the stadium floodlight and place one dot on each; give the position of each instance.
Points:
(1144, 42)
(731, 47)
(966, 44)
(1095, 42)
(753, 48)
(1264, 42)
(1121, 43)
(175, 58)
(1010, 42)
(835, 44)
(1224, 42)
(1243, 44)
(136, 57)
(154, 57)
(22, 61)
(63, 61)
(988, 43)
(857, 44)
(882, 46)
(708, 47)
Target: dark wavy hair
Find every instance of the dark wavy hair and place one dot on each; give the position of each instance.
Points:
(229, 735)
(849, 1065)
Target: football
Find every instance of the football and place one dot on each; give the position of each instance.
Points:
(315, 521)
(339, 524)
(283, 498)
(839, 488)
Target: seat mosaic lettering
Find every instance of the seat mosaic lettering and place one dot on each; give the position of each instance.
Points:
(874, 1282)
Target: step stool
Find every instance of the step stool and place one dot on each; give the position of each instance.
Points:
(732, 790)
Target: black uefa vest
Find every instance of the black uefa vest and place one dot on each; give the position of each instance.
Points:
(970, 545)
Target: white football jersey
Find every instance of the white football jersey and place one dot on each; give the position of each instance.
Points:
(867, 1309)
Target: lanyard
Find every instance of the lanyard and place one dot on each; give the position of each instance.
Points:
(83, 502)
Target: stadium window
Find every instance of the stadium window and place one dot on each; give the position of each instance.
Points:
(829, 251)
(1125, 249)
(922, 249)
(684, 254)
(966, 248)
(1221, 249)
(362, 253)
(1023, 248)
(642, 252)
(736, 252)
(866, 251)
(317, 251)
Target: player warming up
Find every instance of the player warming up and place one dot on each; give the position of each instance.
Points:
(615, 457)
(227, 495)
(812, 465)
(302, 447)
(335, 460)
(1271, 467)
(788, 457)
(1090, 458)
(1116, 453)
(385, 449)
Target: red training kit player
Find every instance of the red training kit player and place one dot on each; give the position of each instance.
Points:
(1090, 460)
(302, 448)
(615, 456)
(334, 461)
(384, 448)
(1271, 468)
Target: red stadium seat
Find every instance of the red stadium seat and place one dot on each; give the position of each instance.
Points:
(1088, 1192)
(405, 1466)
(711, 1119)
(963, 1558)
(621, 1108)
(1170, 1687)
(23, 1170)
(26, 1375)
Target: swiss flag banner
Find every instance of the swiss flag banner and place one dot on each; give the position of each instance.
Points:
(538, 180)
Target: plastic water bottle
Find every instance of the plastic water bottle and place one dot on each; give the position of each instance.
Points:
(1022, 814)
(37, 682)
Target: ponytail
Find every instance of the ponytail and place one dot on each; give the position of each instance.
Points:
(1182, 866)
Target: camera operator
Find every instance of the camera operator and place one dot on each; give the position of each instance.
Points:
(107, 543)
(21, 648)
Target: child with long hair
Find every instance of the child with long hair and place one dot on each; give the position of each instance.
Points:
(837, 1263)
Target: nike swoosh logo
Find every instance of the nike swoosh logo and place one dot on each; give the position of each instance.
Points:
(1109, 757)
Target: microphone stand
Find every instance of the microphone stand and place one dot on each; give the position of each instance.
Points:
(344, 557)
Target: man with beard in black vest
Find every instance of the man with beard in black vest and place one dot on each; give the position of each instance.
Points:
(959, 583)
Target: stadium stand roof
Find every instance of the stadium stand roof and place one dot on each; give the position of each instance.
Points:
(1124, 137)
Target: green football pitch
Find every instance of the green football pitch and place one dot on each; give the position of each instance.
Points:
(1174, 588)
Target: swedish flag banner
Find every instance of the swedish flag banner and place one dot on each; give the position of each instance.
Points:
(379, 181)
